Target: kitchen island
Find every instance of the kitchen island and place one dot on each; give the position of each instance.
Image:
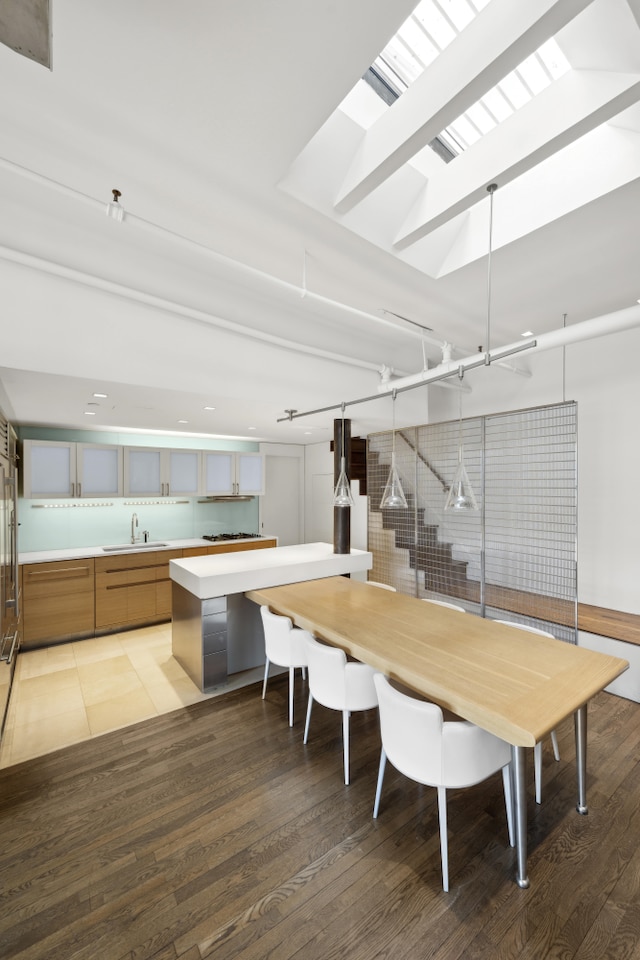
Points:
(216, 631)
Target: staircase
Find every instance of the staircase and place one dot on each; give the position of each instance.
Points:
(438, 570)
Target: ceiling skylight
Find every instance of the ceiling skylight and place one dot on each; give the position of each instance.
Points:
(432, 26)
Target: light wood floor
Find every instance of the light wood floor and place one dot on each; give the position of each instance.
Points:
(71, 692)
(212, 831)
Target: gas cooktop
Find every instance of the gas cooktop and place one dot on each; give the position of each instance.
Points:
(231, 536)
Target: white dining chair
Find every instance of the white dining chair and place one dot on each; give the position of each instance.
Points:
(284, 646)
(383, 586)
(339, 685)
(438, 753)
(445, 603)
(537, 750)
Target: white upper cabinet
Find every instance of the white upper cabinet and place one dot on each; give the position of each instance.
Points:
(150, 472)
(61, 470)
(99, 470)
(233, 474)
(57, 470)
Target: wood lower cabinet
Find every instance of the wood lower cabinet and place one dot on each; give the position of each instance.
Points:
(58, 602)
(230, 546)
(133, 589)
(74, 599)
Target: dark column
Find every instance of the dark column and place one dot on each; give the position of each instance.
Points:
(341, 515)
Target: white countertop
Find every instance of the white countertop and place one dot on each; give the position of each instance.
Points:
(218, 576)
(77, 553)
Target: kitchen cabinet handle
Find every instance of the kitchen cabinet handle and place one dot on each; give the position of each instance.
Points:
(14, 640)
(79, 489)
(59, 573)
(73, 489)
(13, 552)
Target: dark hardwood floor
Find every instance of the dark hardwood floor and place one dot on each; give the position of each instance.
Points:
(213, 832)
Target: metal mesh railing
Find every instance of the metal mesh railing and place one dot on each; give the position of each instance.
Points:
(513, 558)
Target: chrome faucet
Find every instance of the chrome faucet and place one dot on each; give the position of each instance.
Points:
(134, 524)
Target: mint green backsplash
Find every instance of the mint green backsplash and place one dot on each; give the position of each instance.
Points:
(109, 521)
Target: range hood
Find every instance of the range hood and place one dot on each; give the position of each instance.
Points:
(227, 498)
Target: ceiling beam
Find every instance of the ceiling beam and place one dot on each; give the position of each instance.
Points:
(578, 103)
(492, 45)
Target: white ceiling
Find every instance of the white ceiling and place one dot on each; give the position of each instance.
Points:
(234, 280)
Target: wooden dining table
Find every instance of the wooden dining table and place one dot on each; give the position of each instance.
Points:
(516, 684)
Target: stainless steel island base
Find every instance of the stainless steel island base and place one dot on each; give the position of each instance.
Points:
(216, 637)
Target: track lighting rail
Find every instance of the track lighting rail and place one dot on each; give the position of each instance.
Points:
(417, 380)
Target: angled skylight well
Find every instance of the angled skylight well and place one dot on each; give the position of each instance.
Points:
(432, 26)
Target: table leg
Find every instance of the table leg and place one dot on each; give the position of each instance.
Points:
(518, 771)
(580, 721)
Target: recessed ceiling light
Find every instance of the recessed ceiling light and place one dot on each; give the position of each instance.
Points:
(101, 396)
(527, 333)
(89, 413)
(208, 408)
(183, 421)
(251, 428)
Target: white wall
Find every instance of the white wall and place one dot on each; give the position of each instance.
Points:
(602, 376)
(282, 506)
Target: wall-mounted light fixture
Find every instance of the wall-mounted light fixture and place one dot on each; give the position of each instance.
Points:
(114, 209)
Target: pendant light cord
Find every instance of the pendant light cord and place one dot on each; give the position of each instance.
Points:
(394, 394)
(564, 361)
(487, 355)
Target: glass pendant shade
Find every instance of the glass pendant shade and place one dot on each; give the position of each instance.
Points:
(393, 495)
(342, 495)
(461, 495)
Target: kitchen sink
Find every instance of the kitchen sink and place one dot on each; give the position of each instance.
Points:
(134, 546)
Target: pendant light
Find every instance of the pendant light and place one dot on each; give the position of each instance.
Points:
(461, 495)
(342, 496)
(393, 496)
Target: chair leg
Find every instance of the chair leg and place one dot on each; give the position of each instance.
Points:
(345, 740)
(444, 847)
(381, 768)
(306, 726)
(508, 802)
(537, 763)
(291, 686)
(266, 677)
(554, 743)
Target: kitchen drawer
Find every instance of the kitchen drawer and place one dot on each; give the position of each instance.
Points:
(214, 669)
(233, 546)
(214, 605)
(132, 589)
(214, 642)
(136, 567)
(57, 602)
(57, 579)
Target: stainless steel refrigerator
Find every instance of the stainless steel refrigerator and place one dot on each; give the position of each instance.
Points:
(9, 587)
